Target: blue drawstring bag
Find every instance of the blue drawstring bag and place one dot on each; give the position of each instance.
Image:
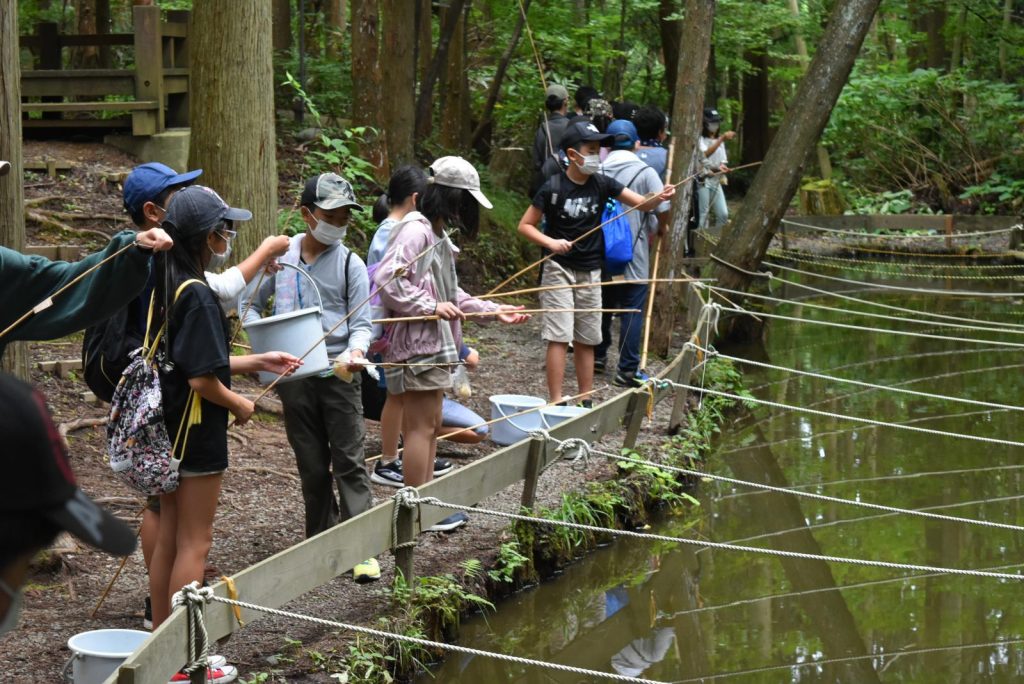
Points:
(618, 238)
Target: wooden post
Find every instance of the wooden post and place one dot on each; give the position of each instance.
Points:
(149, 69)
(679, 403)
(49, 57)
(782, 229)
(177, 103)
(634, 417)
(534, 464)
(1016, 238)
(406, 533)
(126, 674)
(949, 232)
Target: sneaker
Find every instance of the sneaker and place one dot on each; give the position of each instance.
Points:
(452, 522)
(367, 571)
(600, 364)
(214, 675)
(635, 380)
(586, 403)
(147, 616)
(388, 474)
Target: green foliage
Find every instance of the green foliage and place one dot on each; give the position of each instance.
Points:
(437, 602)
(997, 192)
(509, 562)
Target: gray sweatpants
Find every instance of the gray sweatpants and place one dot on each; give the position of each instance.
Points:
(324, 421)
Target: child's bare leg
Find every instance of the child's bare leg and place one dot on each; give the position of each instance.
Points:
(420, 418)
(555, 367)
(390, 427)
(583, 357)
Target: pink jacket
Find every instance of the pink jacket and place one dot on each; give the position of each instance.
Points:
(417, 291)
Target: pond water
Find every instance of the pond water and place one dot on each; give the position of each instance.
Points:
(677, 613)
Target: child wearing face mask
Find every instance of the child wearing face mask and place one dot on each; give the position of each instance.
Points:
(572, 203)
(710, 196)
(323, 415)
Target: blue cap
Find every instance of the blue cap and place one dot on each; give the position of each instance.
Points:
(625, 134)
(146, 181)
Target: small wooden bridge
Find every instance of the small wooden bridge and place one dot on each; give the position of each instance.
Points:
(147, 99)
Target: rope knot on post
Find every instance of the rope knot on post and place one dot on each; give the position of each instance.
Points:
(406, 497)
(194, 598)
(576, 450)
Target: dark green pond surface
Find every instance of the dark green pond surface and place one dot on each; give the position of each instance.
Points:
(677, 613)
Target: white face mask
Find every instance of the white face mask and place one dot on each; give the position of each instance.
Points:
(591, 164)
(217, 261)
(713, 127)
(17, 599)
(327, 234)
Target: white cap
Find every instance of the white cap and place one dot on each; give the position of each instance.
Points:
(456, 172)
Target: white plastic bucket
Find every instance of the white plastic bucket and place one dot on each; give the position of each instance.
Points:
(512, 430)
(292, 332)
(97, 654)
(553, 415)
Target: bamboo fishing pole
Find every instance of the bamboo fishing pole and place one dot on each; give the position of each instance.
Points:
(48, 302)
(605, 283)
(658, 242)
(599, 226)
(486, 423)
(481, 314)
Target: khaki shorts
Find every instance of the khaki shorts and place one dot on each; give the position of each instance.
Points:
(583, 328)
(401, 380)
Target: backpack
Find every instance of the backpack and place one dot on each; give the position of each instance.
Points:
(106, 353)
(618, 235)
(138, 445)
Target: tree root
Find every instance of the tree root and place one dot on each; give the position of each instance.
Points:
(78, 424)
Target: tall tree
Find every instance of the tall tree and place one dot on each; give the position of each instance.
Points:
(687, 115)
(424, 38)
(455, 94)
(86, 56)
(398, 61)
(484, 126)
(425, 102)
(671, 29)
(282, 23)
(366, 81)
(12, 194)
(232, 109)
(746, 239)
(334, 18)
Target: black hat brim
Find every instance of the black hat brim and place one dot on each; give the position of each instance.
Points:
(94, 525)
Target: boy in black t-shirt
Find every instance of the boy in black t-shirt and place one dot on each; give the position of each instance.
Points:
(572, 203)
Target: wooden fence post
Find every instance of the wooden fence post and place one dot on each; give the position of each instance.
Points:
(49, 56)
(406, 532)
(176, 57)
(679, 403)
(1016, 238)
(149, 69)
(534, 463)
(634, 418)
(949, 231)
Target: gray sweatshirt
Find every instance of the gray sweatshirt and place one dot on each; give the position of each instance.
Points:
(339, 290)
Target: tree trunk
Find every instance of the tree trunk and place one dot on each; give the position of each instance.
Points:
(455, 96)
(103, 28)
(366, 82)
(312, 26)
(86, 56)
(232, 109)
(746, 239)
(499, 76)
(1004, 45)
(425, 103)
(615, 67)
(12, 194)
(756, 113)
(424, 39)
(398, 61)
(282, 23)
(334, 18)
(671, 37)
(927, 17)
(686, 124)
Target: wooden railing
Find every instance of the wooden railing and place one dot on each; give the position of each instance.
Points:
(316, 561)
(154, 94)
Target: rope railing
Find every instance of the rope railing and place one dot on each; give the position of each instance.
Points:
(824, 263)
(584, 450)
(943, 236)
(785, 253)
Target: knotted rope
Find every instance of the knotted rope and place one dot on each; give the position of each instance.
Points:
(195, 598)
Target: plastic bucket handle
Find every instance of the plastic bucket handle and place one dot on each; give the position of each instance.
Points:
(311, 282)
(510, 421)
(549, 426)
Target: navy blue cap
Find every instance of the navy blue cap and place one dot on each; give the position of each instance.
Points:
(146, 181)
(197, 209)
(625, 134)
(583, 131)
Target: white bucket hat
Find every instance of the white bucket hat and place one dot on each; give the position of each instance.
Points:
(456, 172)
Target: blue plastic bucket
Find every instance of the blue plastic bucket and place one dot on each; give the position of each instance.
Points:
(512, 430)
(553, 415)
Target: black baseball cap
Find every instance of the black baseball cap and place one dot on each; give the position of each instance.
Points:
(711, 114)
(197, 208)
(37, 477)
(582, 131)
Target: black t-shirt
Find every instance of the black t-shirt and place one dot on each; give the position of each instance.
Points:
(571, 210)
(198, 345)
